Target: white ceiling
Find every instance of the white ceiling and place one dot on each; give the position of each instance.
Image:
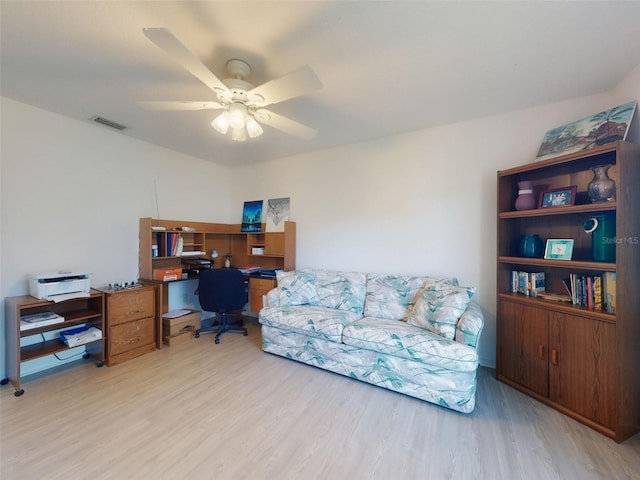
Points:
(387, 66)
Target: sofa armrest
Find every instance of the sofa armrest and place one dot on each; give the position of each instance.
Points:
(272, 298)
(470, 325)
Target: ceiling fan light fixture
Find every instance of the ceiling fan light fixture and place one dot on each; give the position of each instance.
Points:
(238, 134)
(221, 123)
(237, 115)
(253, 128)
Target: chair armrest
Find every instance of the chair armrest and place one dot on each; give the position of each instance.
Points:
(470, 325)
(272, 298)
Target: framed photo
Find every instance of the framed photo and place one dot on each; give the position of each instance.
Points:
(252, 216)
(558, 197)
(559, 249)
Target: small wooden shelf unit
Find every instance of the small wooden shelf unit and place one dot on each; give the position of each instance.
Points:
(78, 311)
(580, 361)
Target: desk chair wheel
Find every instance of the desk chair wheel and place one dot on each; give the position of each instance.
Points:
(217, 340)
(197, 334)
(246, 334)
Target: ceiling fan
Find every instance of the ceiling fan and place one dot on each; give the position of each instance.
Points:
(241, 102)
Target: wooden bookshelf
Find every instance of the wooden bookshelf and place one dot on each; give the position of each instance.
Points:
(579, 361)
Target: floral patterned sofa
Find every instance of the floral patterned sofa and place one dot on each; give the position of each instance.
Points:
(416, 335)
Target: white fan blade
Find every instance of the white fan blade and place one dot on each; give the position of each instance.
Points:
(294, 84)
(285, 124)
(165, 40)
(179, 105)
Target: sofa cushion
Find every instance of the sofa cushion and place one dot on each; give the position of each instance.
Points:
(341, 290)
(400, 339)
(297, 287)
(439, 307)
(315, 321)
(393, 296)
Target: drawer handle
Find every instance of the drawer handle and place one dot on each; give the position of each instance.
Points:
(541, 351)
(554, 356)
(134, 312)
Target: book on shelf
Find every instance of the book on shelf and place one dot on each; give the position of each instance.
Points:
(530, 284)
(597, 293)
(588, 291)
(178, 247)
(609, 291)
(37, 320)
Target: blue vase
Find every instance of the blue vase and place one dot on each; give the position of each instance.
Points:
(530, 246)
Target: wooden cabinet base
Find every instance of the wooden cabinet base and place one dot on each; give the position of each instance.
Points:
(136, 352)
(556, 406)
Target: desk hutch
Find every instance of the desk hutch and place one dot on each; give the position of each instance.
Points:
(278, 252)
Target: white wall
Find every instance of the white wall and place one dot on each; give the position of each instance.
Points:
(423, 202)
(627, 91)
(72, 194)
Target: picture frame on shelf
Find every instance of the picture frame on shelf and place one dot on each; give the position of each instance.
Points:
(559, 249)
(252, 216)
(558, 197)
(278, 211)
(589, 132)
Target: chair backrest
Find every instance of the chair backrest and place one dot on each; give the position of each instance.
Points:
(221, 290)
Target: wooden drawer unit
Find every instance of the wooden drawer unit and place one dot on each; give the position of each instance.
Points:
(131, 336)
(257, 288)
(127, 305)
(131, 323)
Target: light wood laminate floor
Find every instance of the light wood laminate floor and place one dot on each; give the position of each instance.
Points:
(230, 411)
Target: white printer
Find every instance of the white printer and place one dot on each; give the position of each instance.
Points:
(46, 286)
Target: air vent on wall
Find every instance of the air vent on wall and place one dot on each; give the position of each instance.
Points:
(108, 123)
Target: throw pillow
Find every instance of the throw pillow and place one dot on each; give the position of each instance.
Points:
(391, 296)
(341, 290)
(439, 307)
(297, 288)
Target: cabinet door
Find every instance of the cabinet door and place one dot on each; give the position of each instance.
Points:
(582, 371)
(524, 345)
(274, 243)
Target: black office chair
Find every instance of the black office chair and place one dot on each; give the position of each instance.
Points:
(222, 290)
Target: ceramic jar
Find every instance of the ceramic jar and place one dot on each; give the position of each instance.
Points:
(530, 246)
(601, 188)
(526, 199)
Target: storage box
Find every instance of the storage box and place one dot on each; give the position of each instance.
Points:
(257, 250)
(167, 274)
(177, 339)
(185, 325)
